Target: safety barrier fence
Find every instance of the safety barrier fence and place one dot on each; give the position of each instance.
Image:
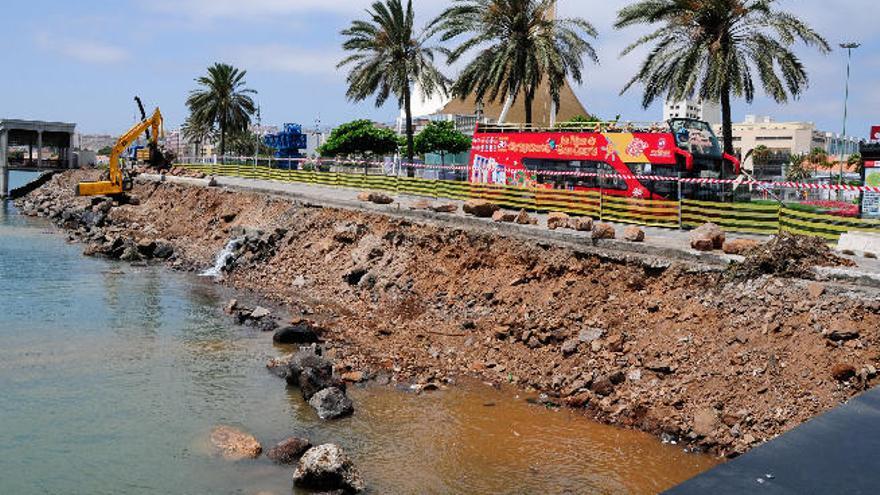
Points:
(765, 217)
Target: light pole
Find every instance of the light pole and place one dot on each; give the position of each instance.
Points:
(849, 47)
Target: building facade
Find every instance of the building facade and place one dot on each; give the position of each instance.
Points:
(785, 139)
(692, 109)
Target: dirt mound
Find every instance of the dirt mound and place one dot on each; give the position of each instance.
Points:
(788, 255)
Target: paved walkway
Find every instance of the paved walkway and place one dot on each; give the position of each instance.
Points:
(659, 242)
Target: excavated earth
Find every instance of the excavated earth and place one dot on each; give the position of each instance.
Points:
(722, 364)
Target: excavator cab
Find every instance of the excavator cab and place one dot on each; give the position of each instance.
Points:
(118, 180)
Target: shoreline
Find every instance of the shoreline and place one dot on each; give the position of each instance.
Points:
(644, 348)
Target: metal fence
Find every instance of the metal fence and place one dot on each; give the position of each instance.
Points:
(764, 214)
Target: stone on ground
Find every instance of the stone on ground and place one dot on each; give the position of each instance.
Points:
(707, 237)
(581, 224)
(327, 467)
(633, 234)
(480, 208)
(445, 208)
(603, 231)
(739, 246)
(557, 220)
(233, 444)
(331, 403)
(502, 216)
(523, 218)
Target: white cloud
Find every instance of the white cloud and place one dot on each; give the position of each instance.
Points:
(287, 58)
(88, 51)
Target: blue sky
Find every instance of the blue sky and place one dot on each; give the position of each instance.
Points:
(84, 60)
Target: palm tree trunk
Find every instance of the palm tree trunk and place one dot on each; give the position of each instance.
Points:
(407, 96)
(530, 95)
(726, 119)
(508, 103)
(223, 138)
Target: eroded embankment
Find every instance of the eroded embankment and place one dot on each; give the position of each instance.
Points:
(676, 352)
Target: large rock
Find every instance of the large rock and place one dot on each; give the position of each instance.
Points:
(707, 237)
(299, 333)
(603, 231)
(502, 216)
(303, 360)
(557, 220)
(234, 444)
(445, 208)
(327, 467)
(375, 197)
(581, 224)
(523, 218)
(289, 450)
(739, 246)
(480, 208)
(313, 380)
(633, 234)
(331, 403)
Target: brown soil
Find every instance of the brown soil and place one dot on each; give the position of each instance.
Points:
(680, 352)
(788, 255)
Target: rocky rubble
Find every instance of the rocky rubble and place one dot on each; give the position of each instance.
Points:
(689, 354)
(788, 255)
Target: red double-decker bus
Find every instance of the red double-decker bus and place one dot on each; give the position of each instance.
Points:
(628, 160)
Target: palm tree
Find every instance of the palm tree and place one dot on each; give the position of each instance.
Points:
(389, 58)
(521, 43)
(222, 101)
(197, 133)
(716, 48)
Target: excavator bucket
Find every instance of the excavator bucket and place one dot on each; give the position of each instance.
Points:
(98, 188)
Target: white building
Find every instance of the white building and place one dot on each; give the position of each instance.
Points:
(692, 109)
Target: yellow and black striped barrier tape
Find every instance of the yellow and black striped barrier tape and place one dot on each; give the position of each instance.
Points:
(732, 217)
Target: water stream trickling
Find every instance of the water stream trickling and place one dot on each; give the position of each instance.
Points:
(223, 258)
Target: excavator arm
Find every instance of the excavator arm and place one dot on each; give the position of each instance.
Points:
(117, 182)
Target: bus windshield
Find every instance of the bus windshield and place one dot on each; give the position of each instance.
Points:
(695, 137)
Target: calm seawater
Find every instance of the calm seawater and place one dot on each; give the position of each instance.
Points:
(112, 376)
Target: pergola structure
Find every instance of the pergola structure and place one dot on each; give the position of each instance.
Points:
(37, 138)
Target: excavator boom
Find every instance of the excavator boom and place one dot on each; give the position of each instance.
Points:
(117, 182)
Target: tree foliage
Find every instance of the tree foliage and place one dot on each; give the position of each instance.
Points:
(519, 44)
(221, 102)
(761, 155)
(715, 49)
(797, 171)
(359, 138)
(441, 137)
(389, 57)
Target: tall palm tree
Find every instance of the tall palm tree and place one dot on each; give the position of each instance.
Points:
(521, 43)
(223, 101)
(197, 133)
(389, 58)
(716, 49)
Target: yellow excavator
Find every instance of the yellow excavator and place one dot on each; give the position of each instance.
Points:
(118, 181)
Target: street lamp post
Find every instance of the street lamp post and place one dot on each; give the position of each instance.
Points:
(849, 47)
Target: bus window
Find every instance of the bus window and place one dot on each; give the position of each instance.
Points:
(611, 178)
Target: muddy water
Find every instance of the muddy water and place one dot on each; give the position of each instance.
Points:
(112, 375)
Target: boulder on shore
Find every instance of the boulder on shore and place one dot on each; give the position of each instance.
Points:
(502, 216)
(331, 403)
(289, 450)
(523, 218)
(707, 237)
(233, 444)
(375, 197)
(327, 467)
(479, 208)
(313, 380)
(303, 360)
(299, 333)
